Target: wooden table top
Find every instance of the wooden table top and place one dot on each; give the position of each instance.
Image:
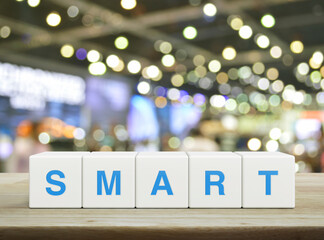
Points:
(17, 221)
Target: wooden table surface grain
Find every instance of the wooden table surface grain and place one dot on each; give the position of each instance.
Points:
(17, 221)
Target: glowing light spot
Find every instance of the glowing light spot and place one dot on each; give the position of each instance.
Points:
(53, 19)
(268, 21)
(97, 68)
(210, 10)
(121, 42)
(44, 138)
(143, 87)
(93, 56)
(262, 41)
(254, 144)
(229, 53)
(112, 61)
(245, 32)
(189, 32)
(134, 66)
(168, 60)
(128, 4)
(67, 50)
(297, 47)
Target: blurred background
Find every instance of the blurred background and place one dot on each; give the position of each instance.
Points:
(171, 75)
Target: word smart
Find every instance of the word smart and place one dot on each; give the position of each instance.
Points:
(162, 180)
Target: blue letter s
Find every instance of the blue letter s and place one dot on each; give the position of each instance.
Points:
(55, 182)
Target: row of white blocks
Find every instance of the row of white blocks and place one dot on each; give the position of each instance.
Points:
(162, 180)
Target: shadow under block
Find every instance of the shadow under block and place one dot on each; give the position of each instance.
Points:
(214, 180)
(55, 180)
(268, 180)
(109, 180)
(162, 180)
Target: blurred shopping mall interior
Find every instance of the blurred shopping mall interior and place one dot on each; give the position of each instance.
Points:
(161, 75)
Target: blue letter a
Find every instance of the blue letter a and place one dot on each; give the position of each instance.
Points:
(162, 175)
(101, 177)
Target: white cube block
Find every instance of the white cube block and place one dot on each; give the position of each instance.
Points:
(55, 180)
(268, 180)
(214, 180)
(109, 180)
(162, 180)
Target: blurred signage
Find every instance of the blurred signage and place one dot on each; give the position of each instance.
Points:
(30, 88)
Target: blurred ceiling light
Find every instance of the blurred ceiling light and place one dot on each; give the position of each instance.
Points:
(44, 138)
(222, 78)
(134, 66)
(120, 66)
(277, 86)
(143, 87)
(273, 73)
(128, 4)
(199, 60)
(217, 101)
(214, 66)
(67, 50)
(315, 76)
(236, 22)
(173, 94)
(189, 32)
(152, 71)
(73, 11)
(245, 32)
(245, 72)
(263, 83)
(121, 42)
(79, 133)
(313, 64)
(81, 54)
(112, 61)
(230, 105)
(160, 102)
(275, 133)
(262, 41)
(297, 47)
(258, 68)
(303, 68)
(268, 21)
(210, 10)
(97, 68)
(165, 47)
(53, 19)
(272, 146)
(33, 3)
(318, 57)
(229, 53)
(177, 80)
(275, 52)
(5, 32)
(168, 60)
(93, 56)
(254, 144)
(158, 77)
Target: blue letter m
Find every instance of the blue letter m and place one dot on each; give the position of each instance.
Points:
(115, 180)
